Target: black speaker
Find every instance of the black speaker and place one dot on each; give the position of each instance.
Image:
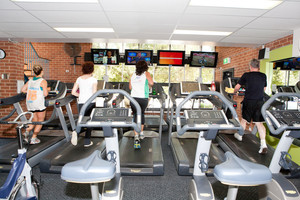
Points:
(187, 60)
(264, 53)
(88, 56)
(122, 59)
(155, 59)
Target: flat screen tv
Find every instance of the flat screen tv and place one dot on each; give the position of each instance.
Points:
(132, 56)
(105, 56)
(168, 57)
(204, 59)
(287, 64)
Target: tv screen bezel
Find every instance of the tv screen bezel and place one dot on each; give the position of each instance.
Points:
(183, 58)
(117, 56)
(215, 63)
(142, 50)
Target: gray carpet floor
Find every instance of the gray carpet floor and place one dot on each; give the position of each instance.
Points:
(167, 187)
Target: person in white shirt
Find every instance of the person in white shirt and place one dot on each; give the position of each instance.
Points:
(84, 87)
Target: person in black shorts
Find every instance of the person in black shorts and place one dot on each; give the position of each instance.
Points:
(255, 83)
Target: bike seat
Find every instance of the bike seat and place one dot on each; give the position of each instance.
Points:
(239, 172)
(92, 169)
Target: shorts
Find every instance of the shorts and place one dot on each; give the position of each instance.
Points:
(251, 110)
(34, 111)
(143, 102)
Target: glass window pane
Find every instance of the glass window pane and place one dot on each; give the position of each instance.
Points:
(147, 46)
(208, 75)
(99, 72)
(189, 48)
(131, 46)
(278, 77)
(208, 48)
(115, 46)
(99, 45)
(128, 71)
(294, 77)
(177, 47)
(191, 73)
(161, 47)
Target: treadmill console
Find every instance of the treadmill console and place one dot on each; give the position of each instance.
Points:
(206, 117)
(288, 117)
(186, 87)
(110, 114)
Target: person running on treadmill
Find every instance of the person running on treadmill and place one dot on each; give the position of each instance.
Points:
(139, 84)
(256, 83)
(87, 86)
(36, 89)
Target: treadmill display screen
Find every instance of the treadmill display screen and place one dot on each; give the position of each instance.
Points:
(186, 87)
(288, 117)
(205, 117)
(110, 114)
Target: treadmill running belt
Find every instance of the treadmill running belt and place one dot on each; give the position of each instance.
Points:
(248, 148)
(131, 157)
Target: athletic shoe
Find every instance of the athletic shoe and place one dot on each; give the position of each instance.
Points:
(35, 140)
(142, 136)
(89, 144)
(26, 137)
(137, 144)
(263, 150)
(74, 138)
(238, 137)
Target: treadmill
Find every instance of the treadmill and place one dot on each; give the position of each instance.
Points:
(184, 147)
(50, 139)
(54, 161)
(248, 148)
(149, 159)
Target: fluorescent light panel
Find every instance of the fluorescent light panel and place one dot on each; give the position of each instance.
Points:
(255, 4)
(58, 1)
(92, 30)
(193, 32)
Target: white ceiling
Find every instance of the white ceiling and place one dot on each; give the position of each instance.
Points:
(146, 21)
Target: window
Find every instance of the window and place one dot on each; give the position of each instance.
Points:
(283, 77)
(189, 48)
(115, 46)
(177, 47)
(99, 45)
(131, 46)
(147, 46)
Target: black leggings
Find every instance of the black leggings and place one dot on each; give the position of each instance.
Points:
(143, 102)
(88, 112)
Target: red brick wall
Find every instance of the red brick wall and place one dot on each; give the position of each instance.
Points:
(240, 58)
(12, 65)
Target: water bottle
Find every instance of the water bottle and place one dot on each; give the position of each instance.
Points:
(213, 86)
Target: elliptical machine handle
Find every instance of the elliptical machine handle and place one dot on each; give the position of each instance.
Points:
(136, 126)
(181, 131)
(267, 116)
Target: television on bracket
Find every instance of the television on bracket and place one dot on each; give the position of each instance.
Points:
(105, 56)
(204, 59)
(132, 56)
(168, 57)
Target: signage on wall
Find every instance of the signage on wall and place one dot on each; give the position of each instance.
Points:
(226, 61)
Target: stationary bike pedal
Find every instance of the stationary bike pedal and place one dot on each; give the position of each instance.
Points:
(137, 144)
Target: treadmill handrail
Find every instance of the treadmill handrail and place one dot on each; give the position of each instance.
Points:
(136, 126)
(181, 130)
(13, 99)
(267, 116)
(64, 101)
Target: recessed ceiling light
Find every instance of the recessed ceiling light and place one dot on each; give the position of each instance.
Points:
(95, 30)
(193, 32)
(256, 4)
(58, 1)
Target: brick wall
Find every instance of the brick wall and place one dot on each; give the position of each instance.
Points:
(12, 65)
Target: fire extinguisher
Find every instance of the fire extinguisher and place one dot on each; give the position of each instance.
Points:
(213, 86)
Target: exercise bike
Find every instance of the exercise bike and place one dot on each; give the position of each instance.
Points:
(20, 183)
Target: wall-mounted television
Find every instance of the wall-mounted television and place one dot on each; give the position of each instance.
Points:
(287, 64)
(105, 56)
(204, 59)
(132, 56)
(168, 57)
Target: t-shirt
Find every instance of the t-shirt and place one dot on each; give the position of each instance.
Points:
(139, 86)
(35, 99)
(254, 84)
(85, 88)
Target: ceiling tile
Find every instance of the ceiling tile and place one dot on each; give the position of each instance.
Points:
(25, 27)
(35, 34)
(8, 5)
(132, 19)
(246, 40)
(276, 24)
(70, 16)
(214, 20)
(262, 33)
(224, 11)
(89, 35)
(144, 28)
(165, 6)
(2, 34)
(197, 38)
(286, 9)
(61, 6)
(16, 16)
(144, 36)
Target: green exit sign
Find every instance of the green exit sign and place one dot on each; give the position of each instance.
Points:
(226, 60)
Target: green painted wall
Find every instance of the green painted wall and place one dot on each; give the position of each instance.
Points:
(267, 67)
